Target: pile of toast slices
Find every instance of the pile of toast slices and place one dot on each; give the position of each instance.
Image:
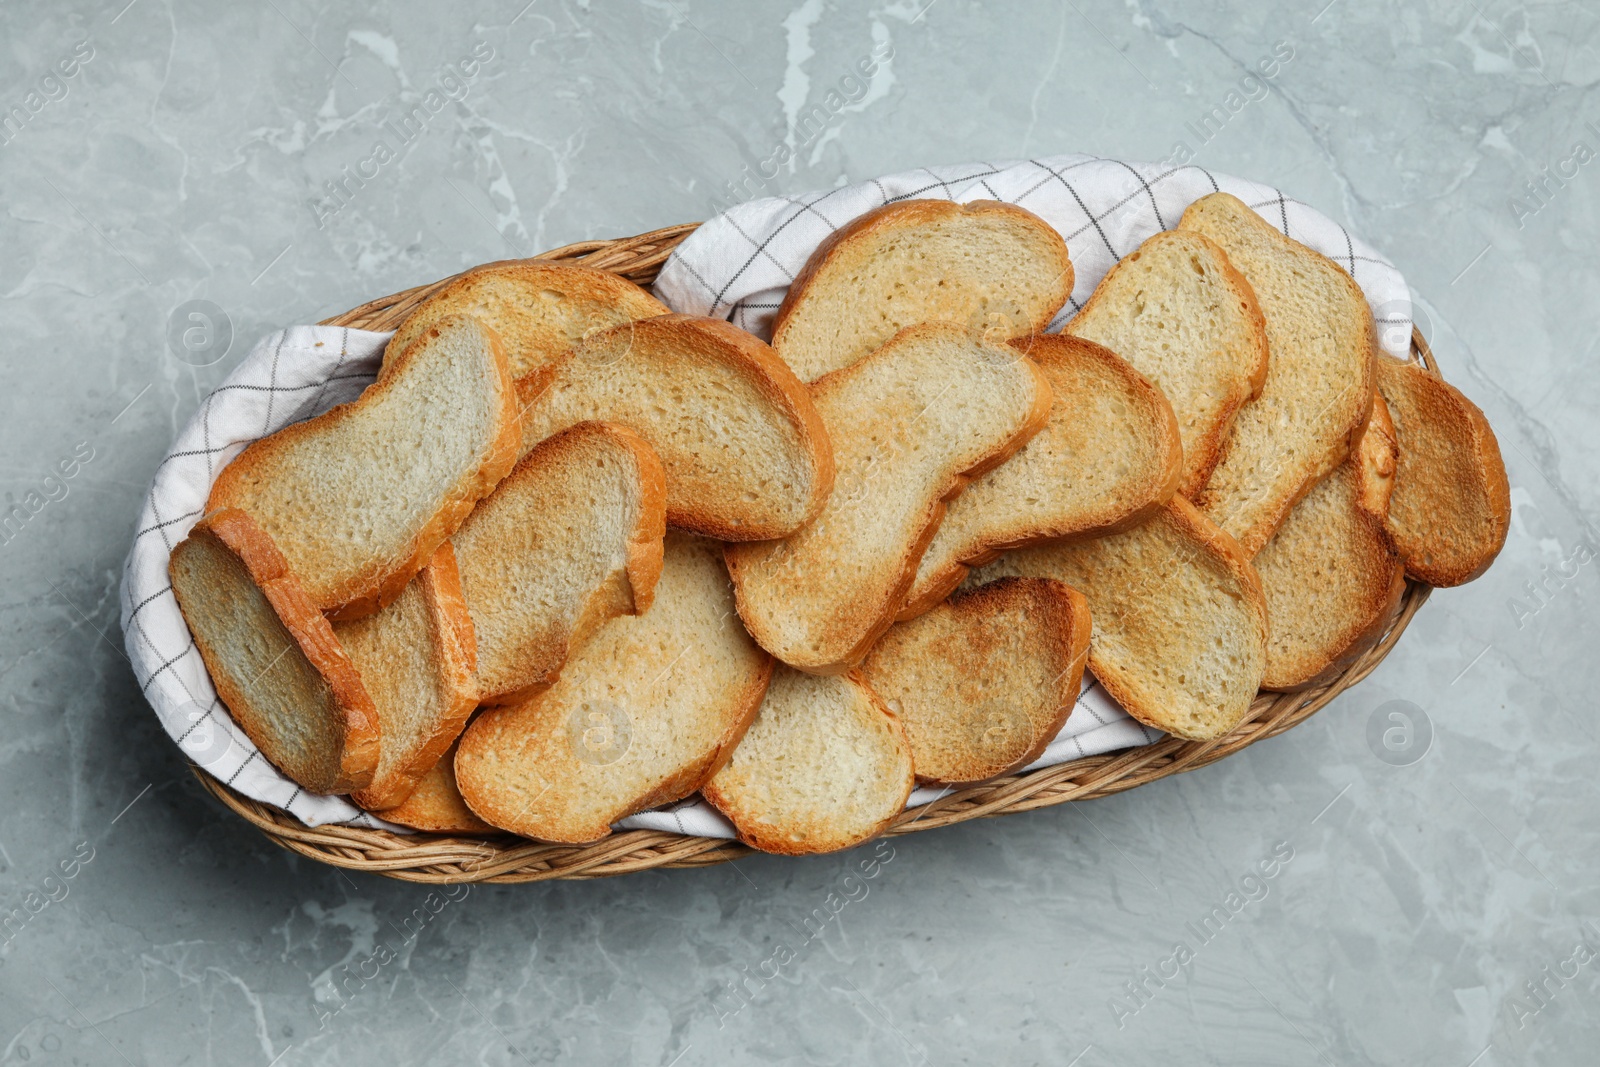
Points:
(572, 556)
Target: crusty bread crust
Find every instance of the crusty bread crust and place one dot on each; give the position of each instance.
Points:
(683, 721)
(868, 618)
(1254, 518)
(1381, 612)
(514, 727)
(1451, 509)
(455, 658)
(1379, 452)
(436, 805)
(1190, 667)
(381, 581)
(1359, 553)
(644, 549)
(1158, 480)
(237, 533)
(910, 215)
(940, 666)
(789, 395)
(716, 341)
(1221, 547)
(468, 291)
(1201, 455)
(1036, 420)
(646, 542)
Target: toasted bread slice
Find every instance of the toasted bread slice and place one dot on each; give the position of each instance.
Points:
(642, 715)
(1108, 458)
(540, 310)
(983, 682)
(1180, 622)
(570, 540)
(1177, 310)
(1331, 576)
(415, 658)
(746, 456)
(273, 657)
(436, 805)
(359, 498)
(1320, 373)
(824, 766)
(911, 424)
(1451, 508)
(985, 265)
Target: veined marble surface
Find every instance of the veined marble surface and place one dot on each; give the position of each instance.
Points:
(1420, 911)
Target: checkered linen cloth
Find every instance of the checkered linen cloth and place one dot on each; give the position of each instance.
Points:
(737, 266)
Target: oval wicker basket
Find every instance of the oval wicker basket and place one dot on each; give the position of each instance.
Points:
(442, 859)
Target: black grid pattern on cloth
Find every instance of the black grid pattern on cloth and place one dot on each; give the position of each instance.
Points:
(753, 310)
(1087, 707)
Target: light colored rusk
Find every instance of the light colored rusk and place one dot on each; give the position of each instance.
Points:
(824, 766)
(1320, 370)
(1176, 309)
(983, 682)
(540, 310)
(273, 657)
(415, 657)
(911, 424)
(359, 498)
(643, 714)
(1330, 574)
(1180, 622)
(1451, 509)
(745, 454)
(989, 266)
(1108, 458)
(570, 540)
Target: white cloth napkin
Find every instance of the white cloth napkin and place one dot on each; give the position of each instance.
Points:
(737, 266)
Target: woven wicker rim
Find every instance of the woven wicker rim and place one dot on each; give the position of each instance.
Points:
(443, 859)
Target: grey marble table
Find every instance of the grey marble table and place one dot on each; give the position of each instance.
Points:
(1430, 904)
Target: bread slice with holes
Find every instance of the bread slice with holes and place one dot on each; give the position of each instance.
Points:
(825, 766)
(746, 456)
(541, 311)
(911, 424)
(1320, 374)
(986, 265)
(570, 540)
(435, 805)
(983, 682)
(359, 498)
(1180, 622)
(272, 656)
(1451, 508)
(415, 657)
(1179, 312)
(1109, 458)
(1330, 574)
(643, 714)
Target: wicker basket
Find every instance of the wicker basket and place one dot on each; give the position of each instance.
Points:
(439, 859)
